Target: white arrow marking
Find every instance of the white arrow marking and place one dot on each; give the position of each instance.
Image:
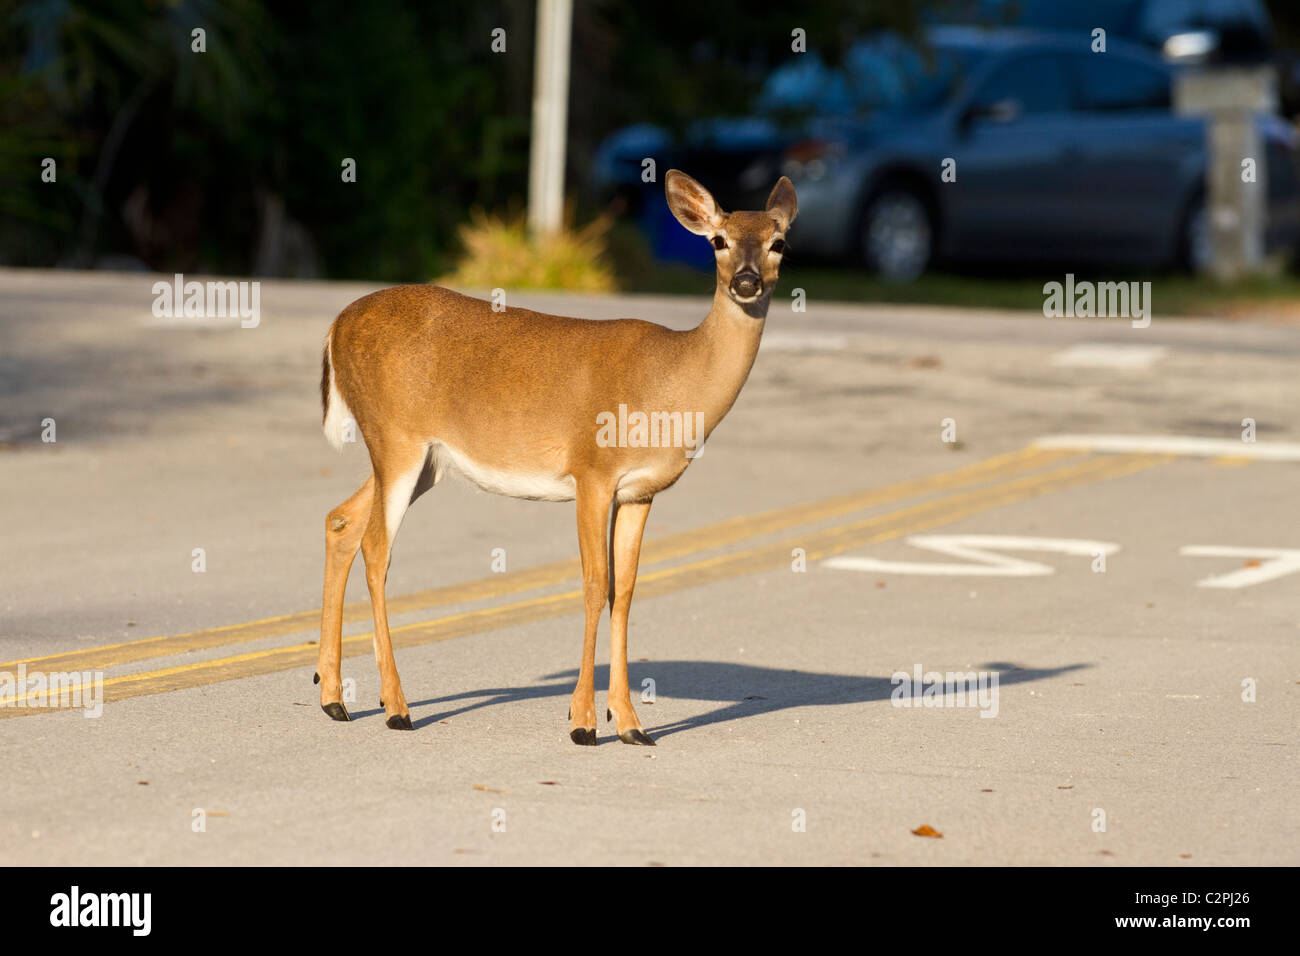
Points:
(975, 548)
(1276, 563)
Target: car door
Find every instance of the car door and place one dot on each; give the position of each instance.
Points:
(1133, 172)
(1012, 136)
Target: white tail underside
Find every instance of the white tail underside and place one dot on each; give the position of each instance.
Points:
(338, 413)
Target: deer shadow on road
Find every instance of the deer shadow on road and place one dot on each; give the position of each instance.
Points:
(741, 690)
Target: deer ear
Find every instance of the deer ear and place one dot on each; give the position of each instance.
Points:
(692, 204)
(782, 204)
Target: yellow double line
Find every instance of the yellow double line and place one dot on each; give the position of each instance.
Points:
(1003, 470)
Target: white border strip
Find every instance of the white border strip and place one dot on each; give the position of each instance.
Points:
(1175, 445)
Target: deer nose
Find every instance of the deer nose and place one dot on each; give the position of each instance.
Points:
(746, 285)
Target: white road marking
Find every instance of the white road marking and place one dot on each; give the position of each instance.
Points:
(975, 547)
(1176, 445)
(1105, 355)
(1274, 563)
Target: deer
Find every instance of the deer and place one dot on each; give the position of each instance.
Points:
(521, 404)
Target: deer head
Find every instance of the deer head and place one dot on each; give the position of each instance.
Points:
(747, 245)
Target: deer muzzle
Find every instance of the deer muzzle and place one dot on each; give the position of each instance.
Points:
(746, 285)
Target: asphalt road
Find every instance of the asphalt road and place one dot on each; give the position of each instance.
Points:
(1117, 733)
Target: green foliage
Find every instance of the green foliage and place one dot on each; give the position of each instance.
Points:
(184, 160)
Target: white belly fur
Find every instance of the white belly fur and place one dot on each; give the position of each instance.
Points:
(538, 486)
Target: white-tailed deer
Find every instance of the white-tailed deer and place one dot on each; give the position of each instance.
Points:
(543, 407)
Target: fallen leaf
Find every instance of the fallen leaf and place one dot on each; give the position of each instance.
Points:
(1184, 856)
(144, 783)
(986, 791)
(548, 783)
(924, 361)
(1252, 563)
(1071, 787)
(1105, 853)
(925, 830)
(478, 786)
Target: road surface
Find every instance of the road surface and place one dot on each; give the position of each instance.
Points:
(884, 499)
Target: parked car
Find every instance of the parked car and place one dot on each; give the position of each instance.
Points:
(1234, 31)
(1182, 31)
(1057, 154)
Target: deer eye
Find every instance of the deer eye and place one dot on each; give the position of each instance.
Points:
(779, 246)
(719, 243)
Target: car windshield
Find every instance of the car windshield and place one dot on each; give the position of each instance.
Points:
(883, 74)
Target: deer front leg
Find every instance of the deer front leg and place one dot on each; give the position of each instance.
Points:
(343, 530)
(629, 523)
(593, 528)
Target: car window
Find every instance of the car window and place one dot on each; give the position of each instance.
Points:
(1111, 82)
(1036, 83)
(885, 73)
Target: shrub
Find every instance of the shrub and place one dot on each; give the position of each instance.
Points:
(500, 253)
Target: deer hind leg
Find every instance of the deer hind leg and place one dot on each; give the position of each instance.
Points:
(344, 527)
(400, 477)
(593, 527)
(625, 554)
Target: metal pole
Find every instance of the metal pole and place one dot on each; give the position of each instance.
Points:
(550, 117)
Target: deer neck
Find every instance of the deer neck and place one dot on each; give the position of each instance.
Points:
(725, 345)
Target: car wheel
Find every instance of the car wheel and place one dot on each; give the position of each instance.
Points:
(1197, 240)
(896, 238)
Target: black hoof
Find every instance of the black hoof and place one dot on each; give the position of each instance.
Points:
(569, 715)
(315, 678)
(583, 737)
(636, 736)
(399, 722)
(381, 702)
(336, 711)
(609, 715)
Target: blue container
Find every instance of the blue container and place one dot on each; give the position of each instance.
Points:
(671, 241)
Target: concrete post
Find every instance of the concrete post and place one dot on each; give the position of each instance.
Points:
(1230, 98)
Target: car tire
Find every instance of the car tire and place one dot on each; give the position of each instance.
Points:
(896, 234)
